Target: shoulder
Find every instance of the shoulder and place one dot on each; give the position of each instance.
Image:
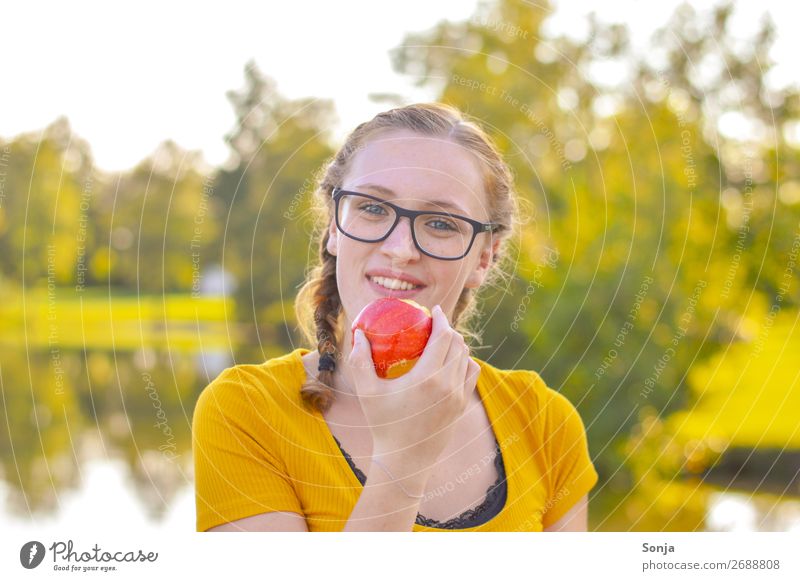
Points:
(519, 378)
(245, 388)
(522, 385)
(526, 389)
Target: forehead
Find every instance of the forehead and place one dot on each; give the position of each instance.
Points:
(420, 168)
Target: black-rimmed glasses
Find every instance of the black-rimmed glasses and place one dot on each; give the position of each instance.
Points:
(436, 234)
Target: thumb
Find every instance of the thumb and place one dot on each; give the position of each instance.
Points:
(361, 356)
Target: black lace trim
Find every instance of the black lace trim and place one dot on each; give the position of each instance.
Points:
(493, 503)
(362, 478)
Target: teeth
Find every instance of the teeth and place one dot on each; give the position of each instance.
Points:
(393, 283)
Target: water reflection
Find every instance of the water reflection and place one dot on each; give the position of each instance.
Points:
(130, 411)
(741, 512)
(105, 499)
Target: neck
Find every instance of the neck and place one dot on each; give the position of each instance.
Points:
(342, 376)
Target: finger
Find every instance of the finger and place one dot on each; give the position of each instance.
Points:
(455, 355)
(440, 339)
(452, 371)
(463, 364)
(471, 375)
(360, 359)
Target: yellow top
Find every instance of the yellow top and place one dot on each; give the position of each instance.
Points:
(258, 449)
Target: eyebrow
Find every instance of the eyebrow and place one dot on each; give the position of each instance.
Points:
(432, 203)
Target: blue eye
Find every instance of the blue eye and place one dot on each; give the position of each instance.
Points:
(442, 225)
(375, 209)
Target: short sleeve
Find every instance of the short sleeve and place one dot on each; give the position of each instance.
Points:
(238, 472)
(572, 474)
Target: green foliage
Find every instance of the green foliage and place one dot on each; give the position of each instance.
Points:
(278, 147)
(655, 280)
(664, 226)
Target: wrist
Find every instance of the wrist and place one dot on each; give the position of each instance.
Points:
(401, 472)
(417, 485)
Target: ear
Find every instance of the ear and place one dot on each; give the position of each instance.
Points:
(333, 239)
(478, 275)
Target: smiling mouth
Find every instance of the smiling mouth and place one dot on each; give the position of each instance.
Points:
(393, 283)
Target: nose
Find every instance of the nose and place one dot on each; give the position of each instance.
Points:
(400, 244)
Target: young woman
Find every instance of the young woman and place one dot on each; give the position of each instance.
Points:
(418, 203)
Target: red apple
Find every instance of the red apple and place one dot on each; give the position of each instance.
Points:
(397, 330)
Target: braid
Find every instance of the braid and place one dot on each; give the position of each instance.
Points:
(319, 392)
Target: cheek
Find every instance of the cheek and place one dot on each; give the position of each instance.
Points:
(452, 276)
(350, 266)
(347, 295)
(466, 272)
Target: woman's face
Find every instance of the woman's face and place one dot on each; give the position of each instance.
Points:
(415, 172)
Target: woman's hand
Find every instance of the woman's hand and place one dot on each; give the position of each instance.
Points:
(412, 417)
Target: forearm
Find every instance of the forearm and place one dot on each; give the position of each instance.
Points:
(384, 506)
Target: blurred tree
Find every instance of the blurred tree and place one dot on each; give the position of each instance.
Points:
(156, 225)
(628, 271)
(40, 457)
(655, 278)
(278, 146)
(44, 177)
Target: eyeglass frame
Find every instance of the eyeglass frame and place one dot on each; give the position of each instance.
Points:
(477, 227)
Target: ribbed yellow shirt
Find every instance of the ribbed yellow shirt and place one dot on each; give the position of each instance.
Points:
(258, 449)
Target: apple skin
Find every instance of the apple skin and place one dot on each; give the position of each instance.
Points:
(397, 330)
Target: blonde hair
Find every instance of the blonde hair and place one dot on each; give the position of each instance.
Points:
(318, 306)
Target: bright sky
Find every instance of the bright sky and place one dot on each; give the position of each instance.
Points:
(130, 74)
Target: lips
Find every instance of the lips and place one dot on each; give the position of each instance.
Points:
(399, 293)
(387, 283)
(391, 274)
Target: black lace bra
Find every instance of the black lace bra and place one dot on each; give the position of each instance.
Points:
(493, 503)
